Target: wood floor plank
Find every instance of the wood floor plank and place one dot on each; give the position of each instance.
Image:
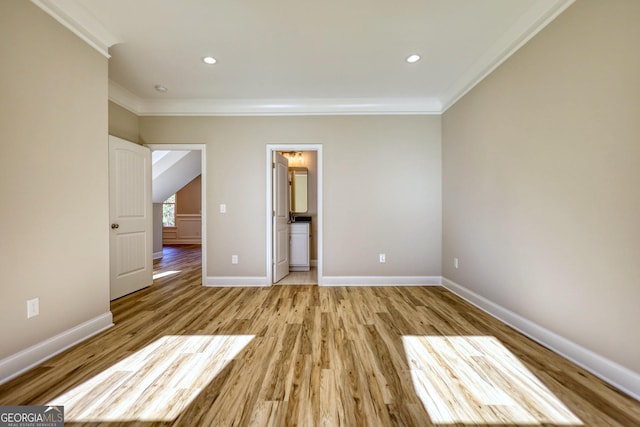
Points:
(301, 355)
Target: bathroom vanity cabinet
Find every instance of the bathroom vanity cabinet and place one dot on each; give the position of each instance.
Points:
(299, 246)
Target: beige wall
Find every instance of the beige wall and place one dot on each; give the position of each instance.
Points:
(53, 178)
(157, 228)
(541, 181)
(382, 186)
(123, 123)
(189, 197)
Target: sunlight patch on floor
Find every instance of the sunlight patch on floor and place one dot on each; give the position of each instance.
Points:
(155, 383)
(477, 380)
(164, 274)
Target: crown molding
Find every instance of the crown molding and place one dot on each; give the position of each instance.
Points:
(124, 98)
(524, 29)
(288, 107)
(75, 18)
(270, 107)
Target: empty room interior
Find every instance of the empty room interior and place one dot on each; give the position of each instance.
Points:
(422, 212)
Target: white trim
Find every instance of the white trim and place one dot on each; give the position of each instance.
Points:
(272, 107)
(541, 13)
(18, 363)
(381, 280)
(236, 281)
(319, 216)
(617, 375)
(80, 22)
(124, 98)
(157, 255)
(203, 194)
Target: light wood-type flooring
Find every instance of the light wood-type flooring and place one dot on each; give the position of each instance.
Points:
(301, 277)
(182, 354)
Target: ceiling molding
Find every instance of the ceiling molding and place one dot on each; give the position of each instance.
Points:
(523, 30)
(288, 107)
(269, 107)
(75, 18)
(124, 97)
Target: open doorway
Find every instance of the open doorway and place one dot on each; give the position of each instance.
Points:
(305, 164)
(179, 172)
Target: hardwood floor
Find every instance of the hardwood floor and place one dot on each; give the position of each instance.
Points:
(181, 354)
(300, 278)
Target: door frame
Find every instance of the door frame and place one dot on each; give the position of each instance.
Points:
(203, 196)
(269, 211)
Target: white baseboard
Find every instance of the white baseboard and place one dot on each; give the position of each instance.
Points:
(236, 281)
(617, 375)
(157, 255)
(16, 364)
(380, 280)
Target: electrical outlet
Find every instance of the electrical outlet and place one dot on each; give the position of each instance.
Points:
(234, 259)
(455, 262)
(33, 307)
(383, 258)
(223, 208)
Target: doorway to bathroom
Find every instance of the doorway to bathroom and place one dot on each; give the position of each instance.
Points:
(294, 230)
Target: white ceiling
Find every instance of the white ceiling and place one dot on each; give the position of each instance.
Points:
(300, 56)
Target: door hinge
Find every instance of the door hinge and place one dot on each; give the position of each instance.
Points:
(273, 165)
(274, 213)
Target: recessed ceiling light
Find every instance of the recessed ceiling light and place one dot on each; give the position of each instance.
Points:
(413, 58)
(209, 60)
(160, 88)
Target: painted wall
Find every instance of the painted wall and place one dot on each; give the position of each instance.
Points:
(123, 123)
(382, 188)
(541, 174)
(54, 244)
(157, 229)
(189, 197)
(188, 229)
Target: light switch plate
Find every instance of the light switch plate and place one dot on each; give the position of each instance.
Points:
(33, 307)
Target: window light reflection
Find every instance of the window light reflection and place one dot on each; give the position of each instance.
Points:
(164, 274)
(155, 383)
(477, 380)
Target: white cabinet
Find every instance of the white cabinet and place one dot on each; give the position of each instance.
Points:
(299, 246)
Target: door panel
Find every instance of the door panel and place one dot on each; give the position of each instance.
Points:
(130, 217)
(280, 217)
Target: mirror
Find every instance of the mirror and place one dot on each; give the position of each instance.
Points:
(298, 189)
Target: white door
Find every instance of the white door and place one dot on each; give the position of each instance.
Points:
(131, 217)
(280, 217)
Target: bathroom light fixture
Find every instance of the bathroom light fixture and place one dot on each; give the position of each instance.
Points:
(160, 88)
(413, 58)
(295, 157)
(209, 60)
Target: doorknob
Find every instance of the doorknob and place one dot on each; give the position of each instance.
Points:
(114, 226)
